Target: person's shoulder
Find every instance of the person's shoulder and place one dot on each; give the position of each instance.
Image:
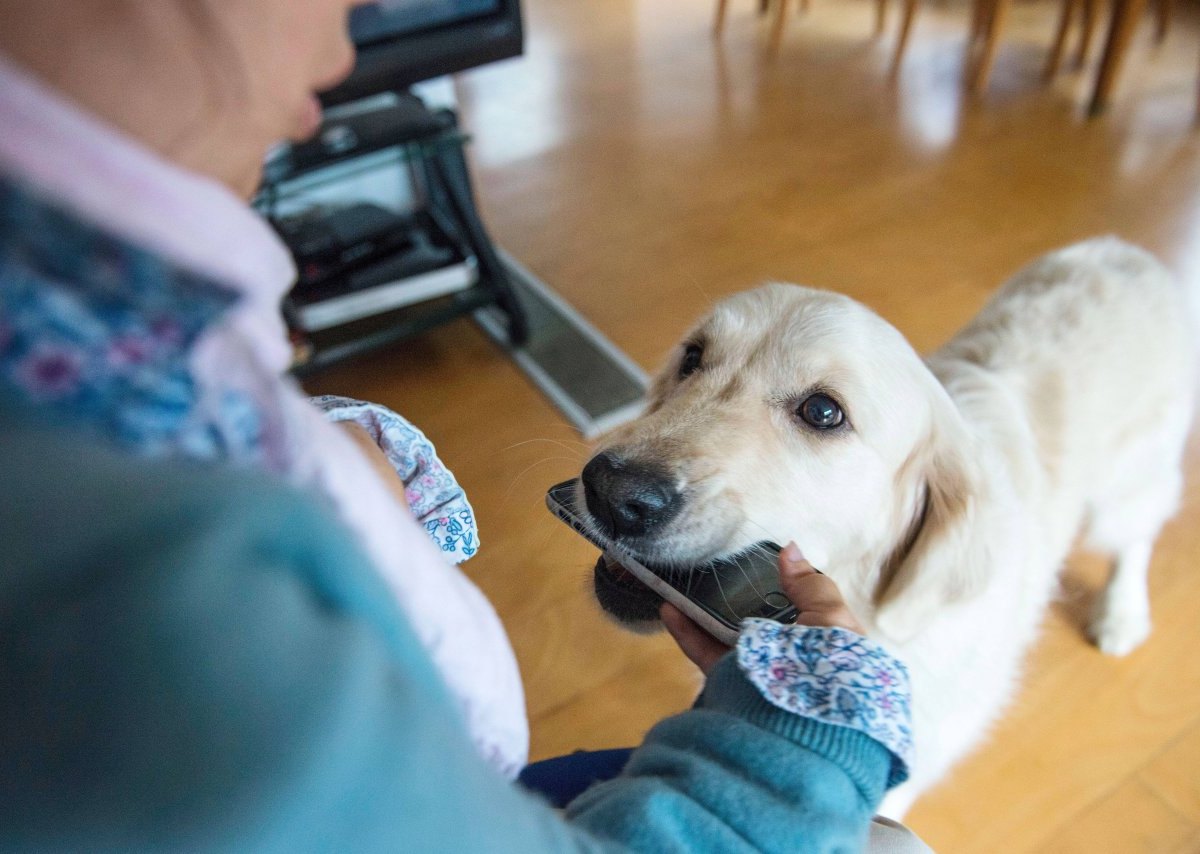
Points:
(199, 659)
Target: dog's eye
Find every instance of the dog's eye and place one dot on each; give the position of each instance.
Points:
(692, 354)
(821, 411)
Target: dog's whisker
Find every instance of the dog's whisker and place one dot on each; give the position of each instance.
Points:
(766, 553)
(530, 467)
(757, 525)
(721, 590)
(557, 442)
(695, 283)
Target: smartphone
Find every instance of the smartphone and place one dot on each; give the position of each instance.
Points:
(717, 597)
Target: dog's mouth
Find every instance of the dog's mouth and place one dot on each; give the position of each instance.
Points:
(668, 551)
(622, 596)
(664, 552)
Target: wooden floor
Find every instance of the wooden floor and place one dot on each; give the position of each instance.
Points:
(643, 171)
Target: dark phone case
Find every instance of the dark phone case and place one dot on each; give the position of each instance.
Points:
(749, 589)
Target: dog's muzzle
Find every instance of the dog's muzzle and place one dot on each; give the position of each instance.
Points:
(629, 499)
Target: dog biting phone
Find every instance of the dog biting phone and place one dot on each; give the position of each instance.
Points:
(717, 596)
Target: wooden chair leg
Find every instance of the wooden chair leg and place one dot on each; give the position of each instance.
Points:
(1163, 10)
(719, 21)
(1125, 15)
(981, 11)
(880, 16)
(778, 25)
(906, 22)
(994, 26)
(1054, 60)
(1086, 33)
(1196, 118)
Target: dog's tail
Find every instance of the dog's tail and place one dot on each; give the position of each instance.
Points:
(1122, 254)
(1191, 293)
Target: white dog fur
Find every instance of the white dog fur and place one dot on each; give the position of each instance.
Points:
(947, 504)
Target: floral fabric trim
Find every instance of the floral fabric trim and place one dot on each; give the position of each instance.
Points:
(835, 676)
(435, 497)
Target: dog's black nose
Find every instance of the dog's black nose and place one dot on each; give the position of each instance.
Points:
(628, 499)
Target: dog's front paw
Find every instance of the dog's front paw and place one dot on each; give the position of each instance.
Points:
(1119, 633)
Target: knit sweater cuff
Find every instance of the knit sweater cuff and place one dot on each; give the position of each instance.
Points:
(863, 759)
(834, 675)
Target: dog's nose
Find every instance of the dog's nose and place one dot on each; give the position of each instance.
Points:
(628, 499)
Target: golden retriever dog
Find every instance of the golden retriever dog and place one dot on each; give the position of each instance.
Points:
(943, 494)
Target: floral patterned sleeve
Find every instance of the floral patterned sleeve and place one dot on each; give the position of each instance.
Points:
(435, 497)
(832, 675)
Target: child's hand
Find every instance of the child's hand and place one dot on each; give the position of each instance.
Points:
(815, 596)
(702, 648)
(379, 462)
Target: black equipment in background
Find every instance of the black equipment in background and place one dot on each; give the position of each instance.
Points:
(371, 273)
(403, 42)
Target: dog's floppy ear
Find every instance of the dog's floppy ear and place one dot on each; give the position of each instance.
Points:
(945, 556)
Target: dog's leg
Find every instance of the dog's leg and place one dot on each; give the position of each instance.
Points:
(1143, 494)
(1121, 618)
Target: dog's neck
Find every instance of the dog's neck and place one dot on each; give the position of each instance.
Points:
(867, 571)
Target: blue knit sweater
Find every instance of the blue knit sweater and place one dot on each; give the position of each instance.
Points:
(201, 660)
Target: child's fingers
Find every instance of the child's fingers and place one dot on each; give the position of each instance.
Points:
(702, 648)
(816, 597)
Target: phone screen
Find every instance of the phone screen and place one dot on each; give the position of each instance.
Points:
(730, 590)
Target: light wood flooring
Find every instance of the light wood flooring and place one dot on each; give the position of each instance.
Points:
(643, 171)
